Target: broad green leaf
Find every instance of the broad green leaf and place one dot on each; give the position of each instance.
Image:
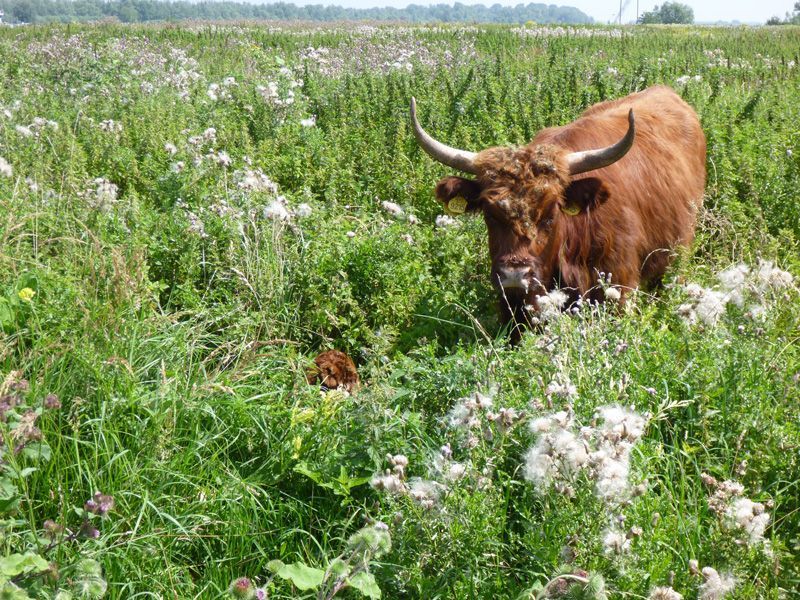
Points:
(366, 584)
(301, 575)
(15, 564)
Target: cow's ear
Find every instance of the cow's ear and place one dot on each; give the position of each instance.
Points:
(584, 195)
(459, 195)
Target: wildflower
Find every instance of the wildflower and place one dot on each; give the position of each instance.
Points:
(303, 210)
(750, 516)
(770, 276)
(5, 168)
(310, 122)
(222, 158)
(393, 209)
(351, 234)
(557, 454)
(26, 294)
(170, 148)
(255, 181)
(711, 307)
(212, 91)
(52, 529)
(105, 194)
(408, 239)
(178, 167)
(620, 424)
(615, 542)
(110, 126)
(444, 221)
(242, 588)
(425, 493)
(277, 210)
(210, 135)
(26, 430)
(562, 388)
(715, 586)
(694, 567)
(455, 471)
(99, 504)
(51, 402)
(196, 225)
(664, 593)
(24, 131)
(389, 482)
(88, 530)
(612, 293)
(412, 220)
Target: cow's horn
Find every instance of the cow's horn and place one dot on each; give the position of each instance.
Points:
(452, 157)
(589, 160)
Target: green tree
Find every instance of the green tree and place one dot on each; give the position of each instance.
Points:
(669, 13)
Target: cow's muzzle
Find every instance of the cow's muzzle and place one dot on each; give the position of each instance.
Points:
(520, 278)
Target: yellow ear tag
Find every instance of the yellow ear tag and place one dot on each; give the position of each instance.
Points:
(456, 206)
(570, 210)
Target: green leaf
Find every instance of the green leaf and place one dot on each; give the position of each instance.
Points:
(7, 315)
(366, 584)
(37, 451)
(15, 564)
(301, 575)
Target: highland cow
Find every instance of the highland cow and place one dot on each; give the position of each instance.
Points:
(614, 192)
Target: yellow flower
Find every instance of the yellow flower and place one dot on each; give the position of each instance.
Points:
(26, 294)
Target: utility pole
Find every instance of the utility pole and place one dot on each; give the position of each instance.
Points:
(620, 12)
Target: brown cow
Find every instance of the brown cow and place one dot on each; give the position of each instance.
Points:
(559, 214)
(334, 370)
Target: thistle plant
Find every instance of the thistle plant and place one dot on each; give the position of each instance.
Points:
(349, 570)
(28, 565)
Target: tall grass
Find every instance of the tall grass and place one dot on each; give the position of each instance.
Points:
(174, 318)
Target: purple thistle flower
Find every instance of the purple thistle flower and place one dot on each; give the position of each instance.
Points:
(242, 588)
(99, 504)
(51, 402)
(89, 531)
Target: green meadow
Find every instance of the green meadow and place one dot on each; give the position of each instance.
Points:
(190, 213)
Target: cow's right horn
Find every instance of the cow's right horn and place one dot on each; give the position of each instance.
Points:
(589, 160)
(452, 157)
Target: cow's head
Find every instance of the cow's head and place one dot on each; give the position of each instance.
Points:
(526, 195)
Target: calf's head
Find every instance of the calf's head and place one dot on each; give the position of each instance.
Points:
(525, 195)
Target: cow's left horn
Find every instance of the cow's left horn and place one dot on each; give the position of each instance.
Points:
(452, 157)
(589, 160)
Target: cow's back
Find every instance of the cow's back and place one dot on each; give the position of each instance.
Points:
(657, 187)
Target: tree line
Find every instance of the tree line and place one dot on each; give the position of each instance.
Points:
(132, 11)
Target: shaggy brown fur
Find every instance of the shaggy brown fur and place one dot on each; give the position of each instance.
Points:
(334, 370)
(630, 215)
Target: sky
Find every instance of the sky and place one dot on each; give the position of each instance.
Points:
(755, 11)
